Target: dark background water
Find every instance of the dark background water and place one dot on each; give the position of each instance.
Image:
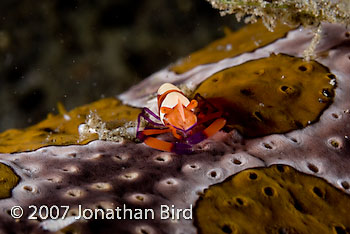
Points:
(75, 52)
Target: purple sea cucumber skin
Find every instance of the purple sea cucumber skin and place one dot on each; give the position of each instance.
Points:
(171, 179)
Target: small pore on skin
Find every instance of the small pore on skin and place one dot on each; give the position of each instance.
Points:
(280, 196)
(262, 103)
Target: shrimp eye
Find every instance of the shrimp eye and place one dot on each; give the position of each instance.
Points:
(193, 104)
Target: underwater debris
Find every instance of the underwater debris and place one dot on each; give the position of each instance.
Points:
(278, 199)
(110, 131)
(62, 129)
(295, 12)
(307, 13)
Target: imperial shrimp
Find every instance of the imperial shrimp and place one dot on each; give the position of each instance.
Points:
(184, 119)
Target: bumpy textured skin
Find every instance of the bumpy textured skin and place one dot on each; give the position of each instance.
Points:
(277, 199)
(112, 174)
(260, 98)
(8, 180)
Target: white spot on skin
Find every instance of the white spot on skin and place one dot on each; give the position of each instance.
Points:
(170, 182)
(144, 229)
(30, 189)
(54, 179)
(66, 117)
(257, 43)
(139, 198)
(129, 176)
(75, 193)
(120, 157)
(56, 225)
(102, 186)
(215, 174)
(70, 168)
(162, 158)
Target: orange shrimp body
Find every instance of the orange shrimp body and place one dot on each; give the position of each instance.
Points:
(175, 109)
(176, 115)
